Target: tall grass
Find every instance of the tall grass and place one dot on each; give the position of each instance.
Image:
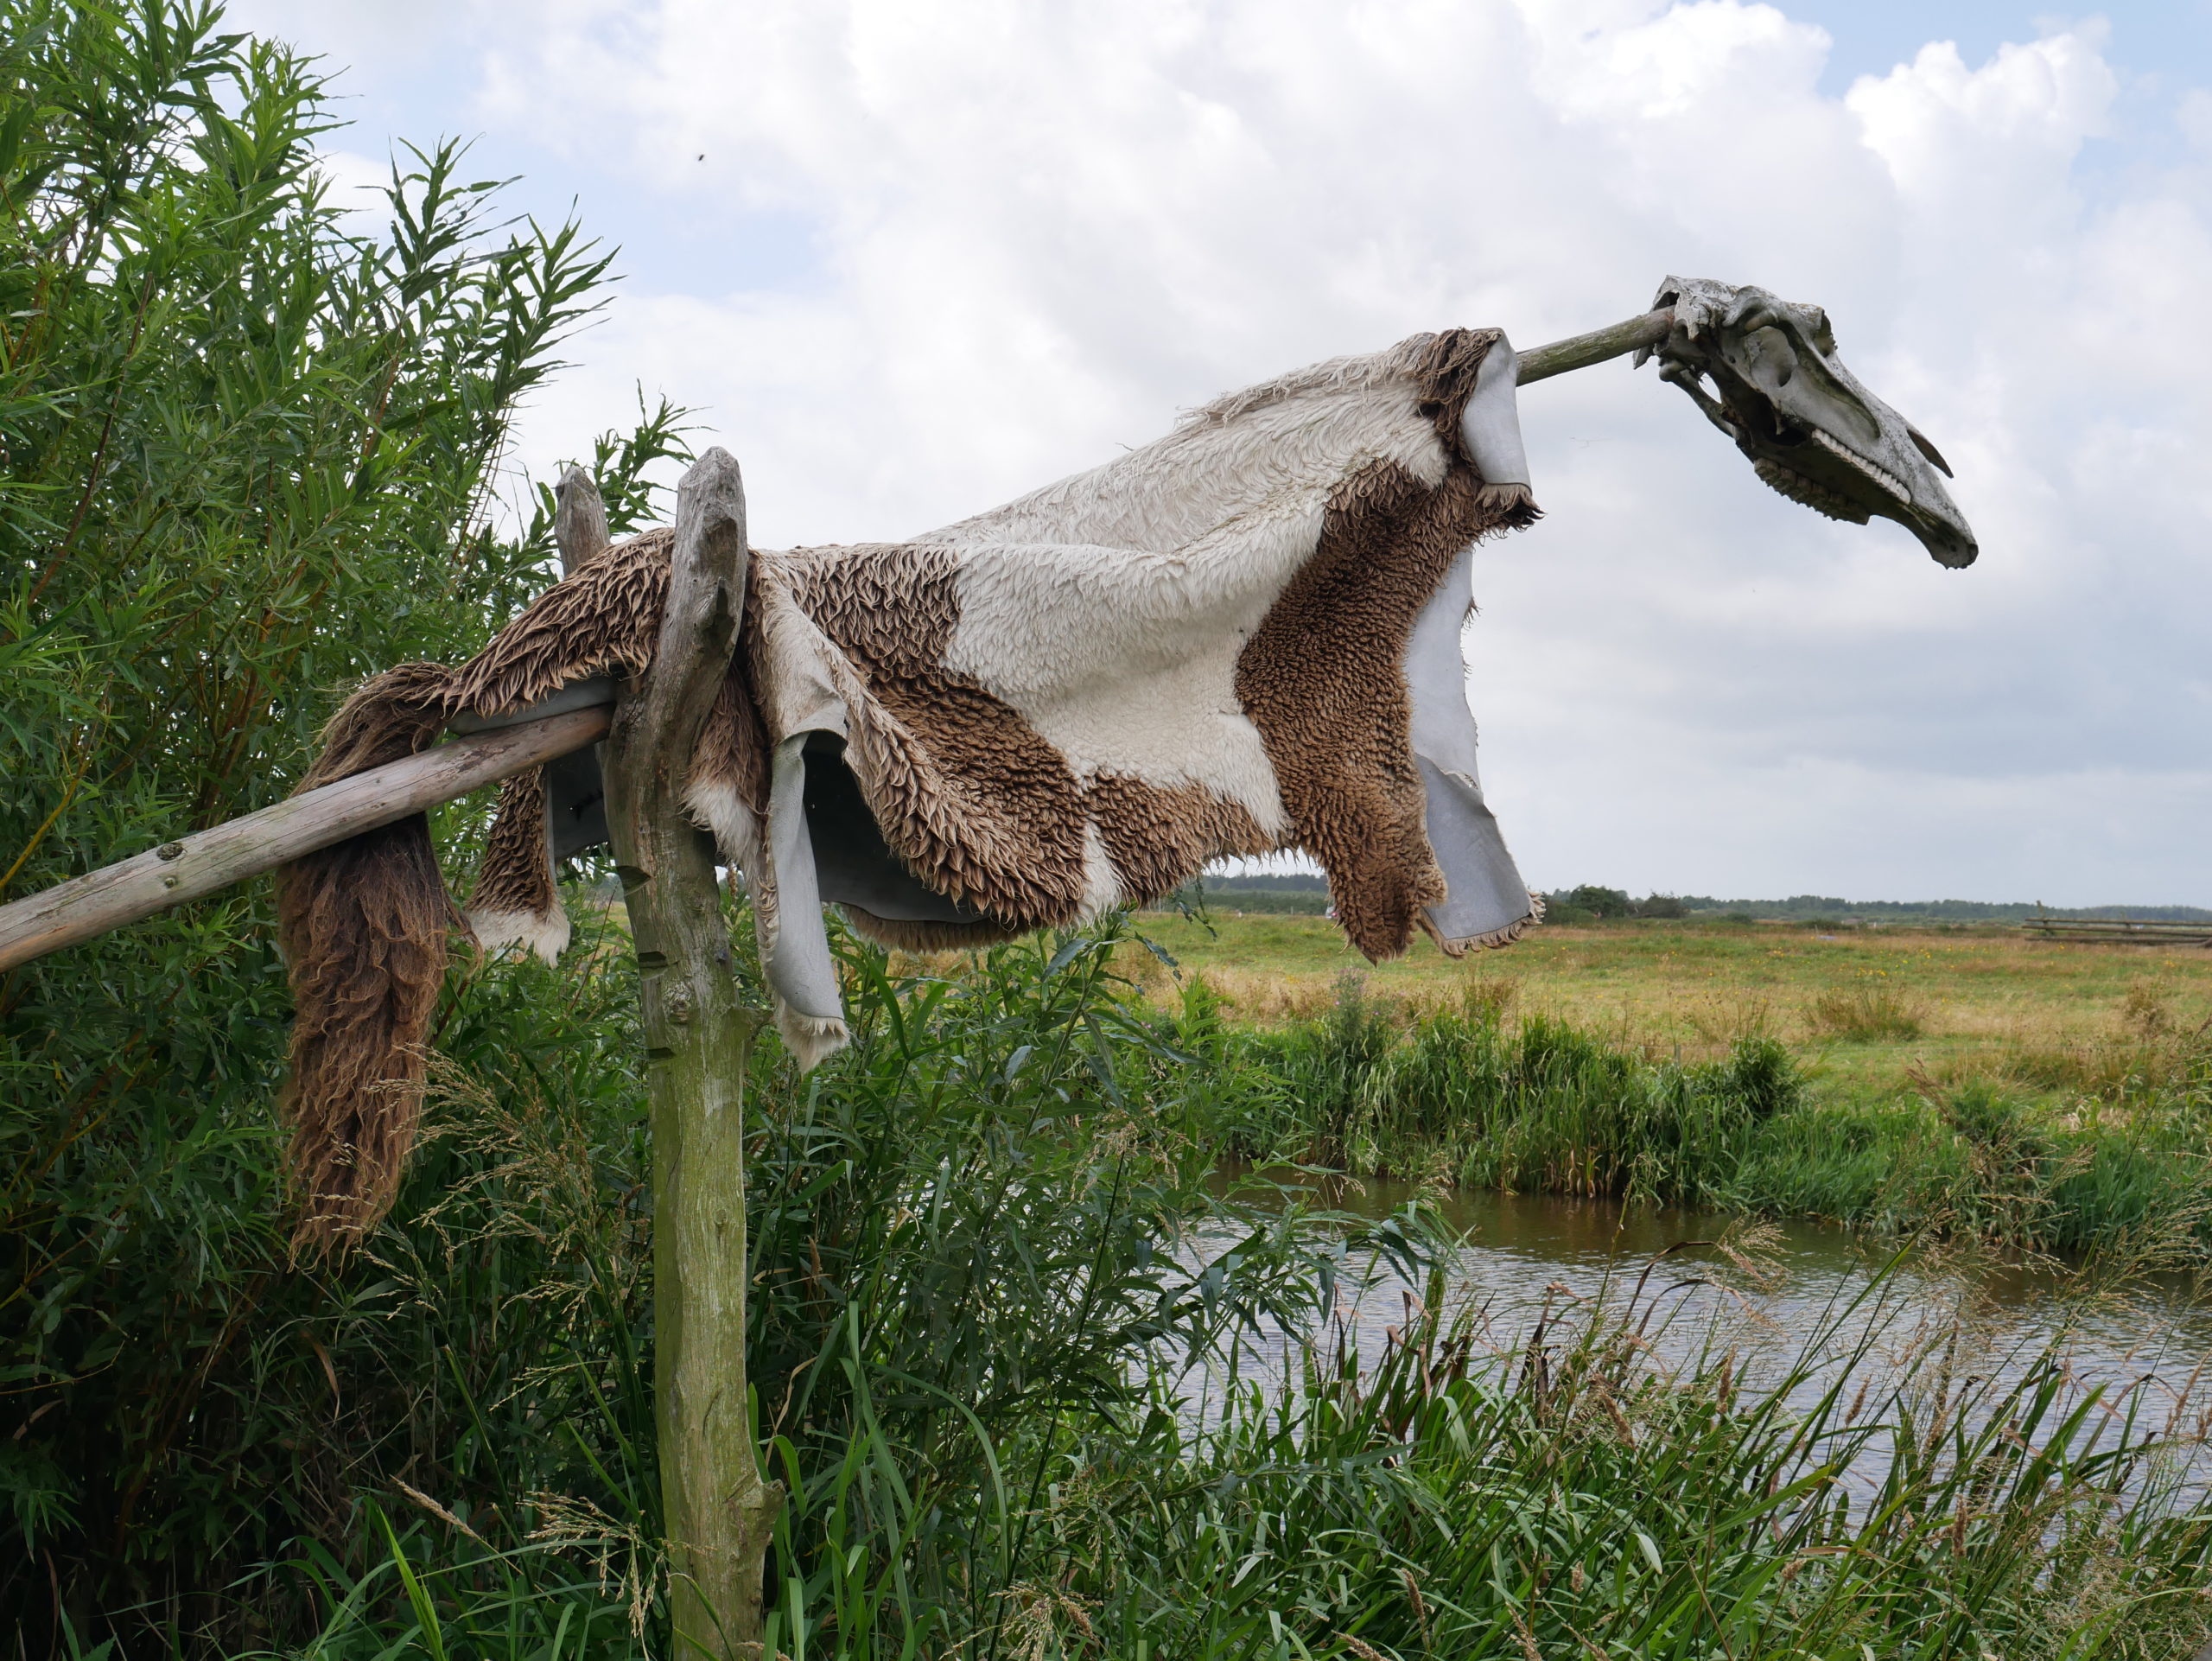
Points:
(1572, 1499)
(974, 1238)
(1864, 1015)
(974, 1230)
(990, 1256)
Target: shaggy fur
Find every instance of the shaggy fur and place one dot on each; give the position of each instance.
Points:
(515, 903)
(1071, 701)
(364, 924)
(1321, 681)
(978, 805)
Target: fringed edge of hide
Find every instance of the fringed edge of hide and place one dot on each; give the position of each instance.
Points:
(1514, 506)
(811, 1040)
(900, 934)
(1494, 939)
(543, 936)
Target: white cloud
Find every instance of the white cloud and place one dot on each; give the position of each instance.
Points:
(354, 185)
(1040, 230)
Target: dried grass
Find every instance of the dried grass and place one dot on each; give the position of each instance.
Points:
(1261, 996)
(1722, 1019)
(1873, 1014)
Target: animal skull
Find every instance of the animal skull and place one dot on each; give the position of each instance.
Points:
(1810, 429)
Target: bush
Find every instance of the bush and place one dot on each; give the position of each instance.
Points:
(1592, 903)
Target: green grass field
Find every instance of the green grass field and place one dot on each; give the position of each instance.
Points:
(1869, 1011)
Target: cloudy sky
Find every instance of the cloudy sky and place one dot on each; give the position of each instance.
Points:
(910, 258)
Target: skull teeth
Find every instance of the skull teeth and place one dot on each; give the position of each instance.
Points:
(1799, 488)
(1901, 491)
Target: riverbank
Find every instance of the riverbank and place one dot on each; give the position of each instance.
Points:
(2040, 1098)
(1007, 1321)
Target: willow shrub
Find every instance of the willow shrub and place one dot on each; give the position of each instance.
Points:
(246, 457)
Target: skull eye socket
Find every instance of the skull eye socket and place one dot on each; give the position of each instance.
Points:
(1935, 456)
(1772, 354)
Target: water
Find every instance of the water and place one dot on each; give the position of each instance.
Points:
(1702, 1285)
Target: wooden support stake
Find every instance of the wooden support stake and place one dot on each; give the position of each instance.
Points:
(717, 1509)
(192, 866)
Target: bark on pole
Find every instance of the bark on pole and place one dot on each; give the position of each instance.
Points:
(1580, 350)
(207, 861)
(717, 1509)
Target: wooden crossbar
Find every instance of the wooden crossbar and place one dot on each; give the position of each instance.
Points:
(209, 861)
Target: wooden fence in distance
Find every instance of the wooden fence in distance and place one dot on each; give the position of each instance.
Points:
(2109, 930)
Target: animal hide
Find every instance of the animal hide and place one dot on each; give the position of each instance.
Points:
(1240, 639)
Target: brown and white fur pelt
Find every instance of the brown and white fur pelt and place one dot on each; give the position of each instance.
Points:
(1240, 639)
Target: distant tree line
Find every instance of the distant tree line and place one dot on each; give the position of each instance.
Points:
(1805, 907)
(1306, 894)
(1292, 894)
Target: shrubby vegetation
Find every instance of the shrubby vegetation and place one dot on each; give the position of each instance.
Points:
(1295, 893)
(1807, 908)
(1593, 902)
(246, 457)
(1304, 894)
(989, 1249)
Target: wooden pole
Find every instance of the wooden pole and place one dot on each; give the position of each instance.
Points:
(206, 861)
(716, 1508)
(1580, 350)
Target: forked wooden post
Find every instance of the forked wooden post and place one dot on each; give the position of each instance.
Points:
(579, 520)
(716, 1508)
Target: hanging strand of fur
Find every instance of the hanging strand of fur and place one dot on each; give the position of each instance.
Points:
(365, 923)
